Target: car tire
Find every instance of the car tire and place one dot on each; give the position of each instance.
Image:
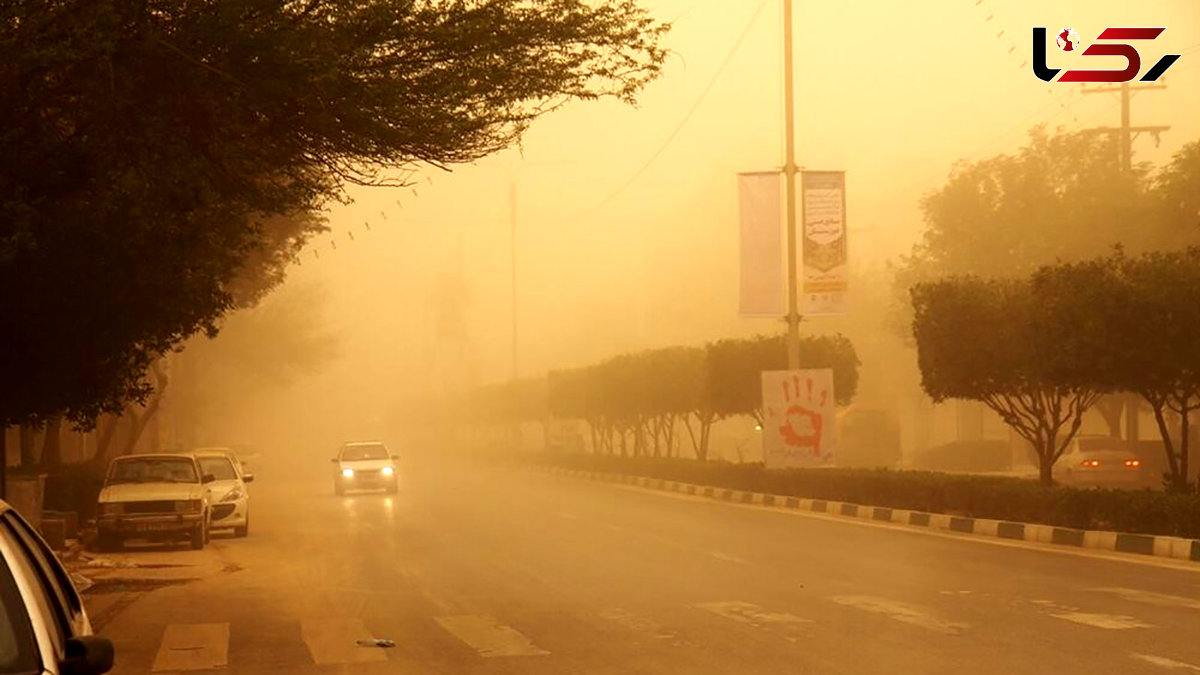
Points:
(339, 489)
(393, 488)
(199, 537)
(244, 529)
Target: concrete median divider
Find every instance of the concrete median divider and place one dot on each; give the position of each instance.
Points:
(1141, 544)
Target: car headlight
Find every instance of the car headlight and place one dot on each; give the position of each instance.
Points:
(233, 495)
(348, 473)
(188, 506)
(112, 509)
(387, 471)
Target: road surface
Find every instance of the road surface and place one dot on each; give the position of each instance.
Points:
(486, 570)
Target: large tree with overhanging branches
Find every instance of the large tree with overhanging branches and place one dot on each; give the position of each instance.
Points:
(150, 146)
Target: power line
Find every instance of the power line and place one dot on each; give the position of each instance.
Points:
(683, 122)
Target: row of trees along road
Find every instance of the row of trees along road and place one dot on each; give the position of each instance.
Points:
(1061, 198)
(1041, 351)
(164, 162)
(637, 403)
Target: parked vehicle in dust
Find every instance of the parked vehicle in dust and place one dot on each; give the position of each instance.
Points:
(1104, 461)
(44, 628)
(239, 462)
(230, 496)
(363, 466)
(156, 497)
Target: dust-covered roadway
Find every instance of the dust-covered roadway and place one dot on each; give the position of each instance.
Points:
(487, 570)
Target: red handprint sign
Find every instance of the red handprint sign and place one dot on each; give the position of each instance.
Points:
(798, 417)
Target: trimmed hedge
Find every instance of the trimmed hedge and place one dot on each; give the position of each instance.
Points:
(1000, 498)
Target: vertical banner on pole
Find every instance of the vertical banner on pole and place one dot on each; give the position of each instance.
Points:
(825, 269)
(799, 418)
(761, 245)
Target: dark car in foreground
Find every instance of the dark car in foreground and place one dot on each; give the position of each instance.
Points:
(44, 628)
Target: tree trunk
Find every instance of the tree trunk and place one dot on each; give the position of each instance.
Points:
(107, 426)
(1111, 409)
(1184, 446)
(28, 443)
(139, 421)
(52, 445)
(1174, 480)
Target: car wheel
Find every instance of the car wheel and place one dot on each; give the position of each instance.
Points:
(339, 489)
(199, 537)
(243, 530)
(393, 488)
(208, 529)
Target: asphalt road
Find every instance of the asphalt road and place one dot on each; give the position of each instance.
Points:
(474, 570)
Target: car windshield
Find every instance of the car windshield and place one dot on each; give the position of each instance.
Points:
(154, 470)
(218, 467)
(352, 453)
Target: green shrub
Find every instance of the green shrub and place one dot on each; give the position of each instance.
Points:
(992, 497)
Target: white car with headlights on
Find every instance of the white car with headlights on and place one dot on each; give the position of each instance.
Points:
(230, 498)
(364, 465)
(159, 497)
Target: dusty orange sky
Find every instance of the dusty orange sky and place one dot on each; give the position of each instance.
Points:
(892, 93)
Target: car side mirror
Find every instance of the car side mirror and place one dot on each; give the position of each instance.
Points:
(248, 478)
(395, 456)
(208, 478)
(87, 655)
(334, 460)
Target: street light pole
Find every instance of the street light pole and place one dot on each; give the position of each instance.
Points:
(789, 172)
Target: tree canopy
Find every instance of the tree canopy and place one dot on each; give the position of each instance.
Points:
(1063, 197)
(992, 340)
(148, 146)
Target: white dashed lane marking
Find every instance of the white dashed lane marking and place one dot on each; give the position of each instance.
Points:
(636, 623)
(900, 612)
(193, 646)
(747, 613)
(334, 640)
(1149, 597)
(1170, 664)
(489, 637)
(1106, 621)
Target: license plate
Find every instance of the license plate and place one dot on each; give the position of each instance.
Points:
(154, 527)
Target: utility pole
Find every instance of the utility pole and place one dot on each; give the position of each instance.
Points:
(789, 173)
(1126, 134)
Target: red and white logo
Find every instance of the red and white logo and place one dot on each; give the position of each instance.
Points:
(1110, 42)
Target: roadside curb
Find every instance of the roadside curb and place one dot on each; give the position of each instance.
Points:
(1158, 546)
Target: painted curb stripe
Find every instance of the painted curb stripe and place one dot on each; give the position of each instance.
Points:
(966, 525)
(1067, 537)
(1135, 543)
(1141, 544)
(1007, 530)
